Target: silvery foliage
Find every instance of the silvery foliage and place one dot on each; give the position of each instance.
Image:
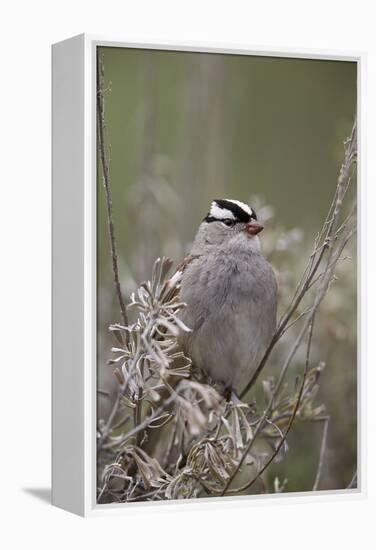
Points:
(200, 437)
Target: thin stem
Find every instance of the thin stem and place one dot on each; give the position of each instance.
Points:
(104, 487)
(320, 293)
(141, 426)
(171, 444)
(296, 320)
(121, 422)
(292, 418)
(323, 243)
(137, 415)
(324, 438)
(108, 427)
(354, 481)
(107, 188)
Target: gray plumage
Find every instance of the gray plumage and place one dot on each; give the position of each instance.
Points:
(231, 296)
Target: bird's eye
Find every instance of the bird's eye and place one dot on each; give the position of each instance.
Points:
(229, 222)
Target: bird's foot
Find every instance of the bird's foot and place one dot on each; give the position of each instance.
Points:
(231, 396)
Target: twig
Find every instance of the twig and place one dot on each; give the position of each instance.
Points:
(107, 188)
(327, 234)
(171, 443)
(324, 438)
(332, 259)
(354, 481)
(138, 428)
(291, 420)
(121, 422)
(104, 487)
(296, 320)
(137, 415)
(104, 393)
(108, 427)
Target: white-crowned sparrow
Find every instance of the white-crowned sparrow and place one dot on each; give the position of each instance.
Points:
(231, 295)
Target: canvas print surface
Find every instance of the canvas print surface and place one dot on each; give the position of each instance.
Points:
(226, 275)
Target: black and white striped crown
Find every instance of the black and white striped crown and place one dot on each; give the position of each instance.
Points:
(227, 209)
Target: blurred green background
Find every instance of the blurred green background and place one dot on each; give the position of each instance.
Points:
(185, 128)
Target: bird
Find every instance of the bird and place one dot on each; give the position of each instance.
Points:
(230, 293)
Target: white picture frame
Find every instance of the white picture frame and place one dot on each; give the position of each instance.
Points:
(74, 274)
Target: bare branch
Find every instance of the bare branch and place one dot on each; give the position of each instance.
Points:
(264, 418)
(335, 250)
(324, 243)
(107, 188)
(320, 294)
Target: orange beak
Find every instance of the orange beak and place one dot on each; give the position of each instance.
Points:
(253, 227)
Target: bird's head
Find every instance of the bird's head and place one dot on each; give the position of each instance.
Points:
(227, 220)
